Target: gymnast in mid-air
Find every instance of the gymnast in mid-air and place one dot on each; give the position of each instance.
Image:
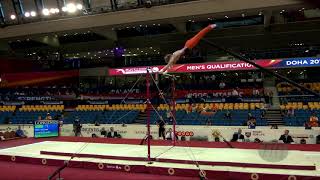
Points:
(172, 59)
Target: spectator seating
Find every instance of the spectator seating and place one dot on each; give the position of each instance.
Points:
(7, 108)
(301, 116)
(128, 113)
(46, 108)
(6, 112)
(116, 113)
(284, 88)
(302, 112)
(218, 106)
(239, 112)
(239, 117)
(114, 107)
(27, 114)
(300, 105)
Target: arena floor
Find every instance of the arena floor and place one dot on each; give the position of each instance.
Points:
(180, 159)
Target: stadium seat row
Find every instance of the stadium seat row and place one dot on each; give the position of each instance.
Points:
(300, 105)
(217, 106)
(30, 108)
(313, 86)
(7, 108)
(139, 107)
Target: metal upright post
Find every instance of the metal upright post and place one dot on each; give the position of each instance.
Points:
(148, 111)
(173, 101)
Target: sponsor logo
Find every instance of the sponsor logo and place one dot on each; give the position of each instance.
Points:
(113, 167)
(185, 133)
(216, 133)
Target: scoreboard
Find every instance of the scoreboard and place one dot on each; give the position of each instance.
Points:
(46, 128)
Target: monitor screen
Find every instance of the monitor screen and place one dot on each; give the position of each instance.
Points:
(44, 128)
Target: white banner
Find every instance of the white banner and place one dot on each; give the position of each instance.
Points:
(139, 131)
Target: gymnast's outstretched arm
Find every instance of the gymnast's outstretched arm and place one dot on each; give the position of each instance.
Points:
(191, 43)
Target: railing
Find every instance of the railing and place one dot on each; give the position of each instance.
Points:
(298, 98)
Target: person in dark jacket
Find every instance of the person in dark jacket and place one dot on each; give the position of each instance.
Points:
(286, 138)
(237, 136)
(112, 133)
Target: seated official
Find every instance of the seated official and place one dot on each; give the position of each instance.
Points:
(20, 133)
(112, 133)
(2, 138)
(170, 134)
(104, 132)
(94, 135)
(286, 138)
(238, 136)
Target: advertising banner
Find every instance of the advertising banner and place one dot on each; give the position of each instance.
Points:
(222, 66)
(264, 133)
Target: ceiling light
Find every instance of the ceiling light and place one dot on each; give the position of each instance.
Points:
(64, 9)
(71, 8)
(52, 10)
(13, 17)
(243, 15)
(33, 13)
(27, 14)
(226, 17)
(56, 10)
(45, 12)
(79, 6)
(260, 13)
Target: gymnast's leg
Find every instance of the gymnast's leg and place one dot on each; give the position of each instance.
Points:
(191, 43)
